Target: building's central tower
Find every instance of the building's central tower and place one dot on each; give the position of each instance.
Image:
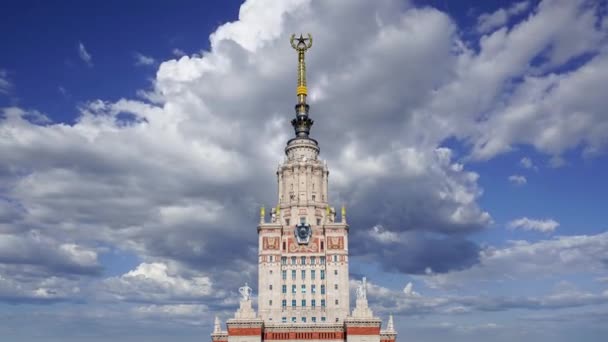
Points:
(303, 290)
(303, 249)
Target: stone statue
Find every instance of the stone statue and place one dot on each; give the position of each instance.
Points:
(245, 292)
(273, 215)
(362, 289)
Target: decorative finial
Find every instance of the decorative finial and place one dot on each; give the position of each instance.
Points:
(343, 213)
(390, 327)
(301, 123)
(217, 326)
(262, 214)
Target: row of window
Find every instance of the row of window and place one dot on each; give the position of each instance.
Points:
(312, 261)
(313, 303)
(313, 288)
(313, 274)
(312, 319)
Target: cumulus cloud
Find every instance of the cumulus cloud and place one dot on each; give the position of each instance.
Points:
(141, 59)
(545, 226)
(518, 179)
(519, 260)
(84, 54)
(177, 179)
(409, 303)
(155, 282)
(490, 21)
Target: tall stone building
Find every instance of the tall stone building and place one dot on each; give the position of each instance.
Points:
(303, 254)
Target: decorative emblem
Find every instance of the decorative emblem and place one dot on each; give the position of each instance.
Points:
(271, 243)
(303, 233)
(245, 292)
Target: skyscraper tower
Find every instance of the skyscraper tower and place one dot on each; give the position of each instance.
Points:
(303, 252)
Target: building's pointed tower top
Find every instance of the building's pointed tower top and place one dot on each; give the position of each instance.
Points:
(390, 327)
(302, 146)
(302, 122)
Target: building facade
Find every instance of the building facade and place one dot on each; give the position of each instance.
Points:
(303, 254)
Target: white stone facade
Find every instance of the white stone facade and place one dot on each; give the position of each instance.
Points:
(303, 283)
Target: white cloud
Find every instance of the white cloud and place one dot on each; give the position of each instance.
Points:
(84, 54)
(527, 163)
(520, 260)
(518, 179)
(178, 52)
(488, 22)
(409, 290)
(545, 226)
(141, 59)
(5, 84)
(156, 282)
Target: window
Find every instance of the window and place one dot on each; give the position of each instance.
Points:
(293, 319)
(313, 260)
(335, 272)
(293, 303)
(313, 319)
(303, 274)
(284, 289)
(322, 303)
(284, 303)
(293, 274)
(318, 222)
(270, 302)
(270, 287)
(284, 319)
(303, 288)
(271, 259)
(322, 289)
(304, 319)
(335, 258)
(321, 245)
(303, 302)
(336, 302)
(335, 286)
(285, 244)
(313, 288)
(303, 260)
(284, 260)
(313, 303)
(337, 319)
(322, 319)
(322, 274)
(284, 275)
(312, 274)
(293, 289)
(322, 260)
(293, 260)
(313, 198)
(270, 271)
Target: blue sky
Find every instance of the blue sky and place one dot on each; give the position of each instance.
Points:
(468, 141)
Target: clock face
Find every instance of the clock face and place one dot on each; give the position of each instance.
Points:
(303, 233)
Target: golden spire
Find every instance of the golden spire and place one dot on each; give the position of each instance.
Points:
(301, 44)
